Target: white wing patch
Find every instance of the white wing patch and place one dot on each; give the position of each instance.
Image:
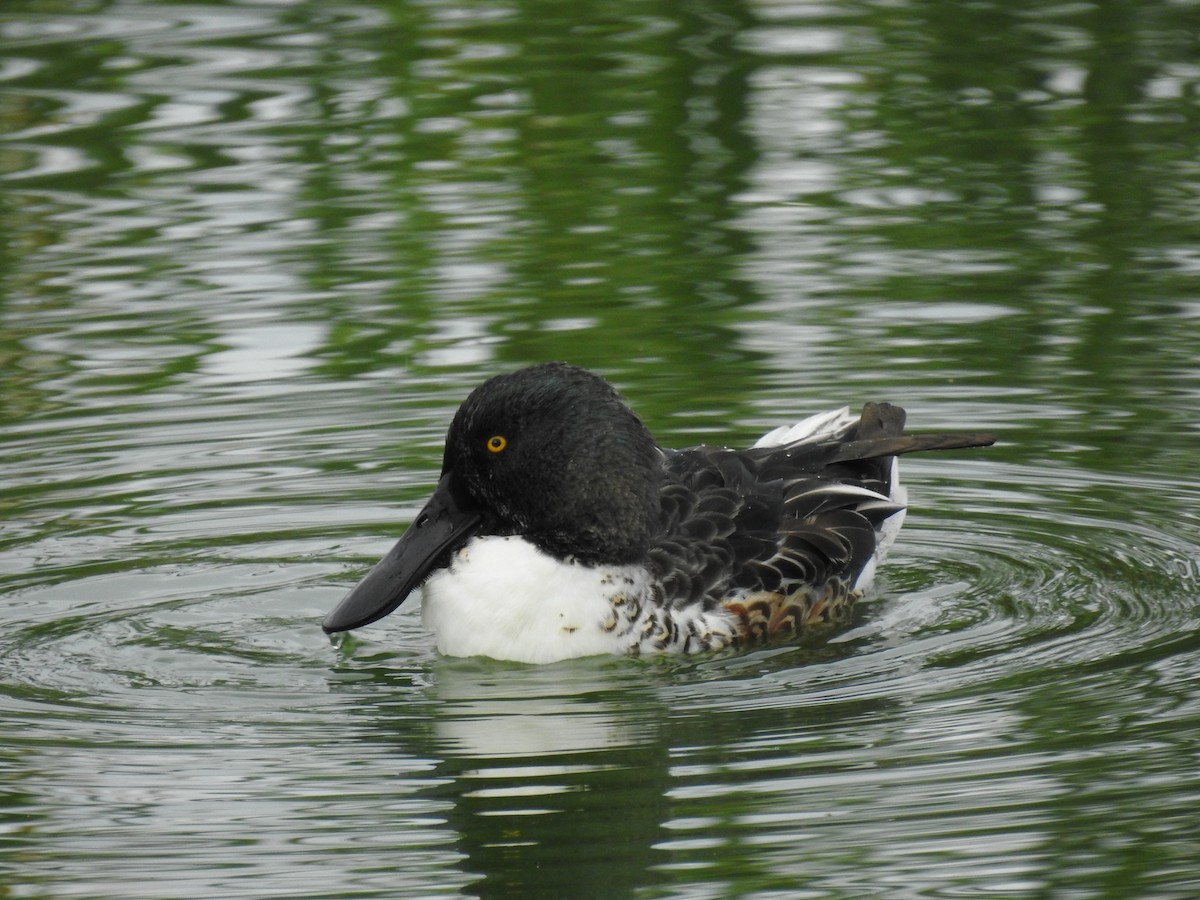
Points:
(826, 424)
(831, 425)
(885, 536)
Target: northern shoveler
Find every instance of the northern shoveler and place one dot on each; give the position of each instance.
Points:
(559, 527)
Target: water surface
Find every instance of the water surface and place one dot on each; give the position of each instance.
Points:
(253, 256)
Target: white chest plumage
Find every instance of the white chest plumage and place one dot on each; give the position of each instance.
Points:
(502, 597)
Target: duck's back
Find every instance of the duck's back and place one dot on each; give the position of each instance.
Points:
(786, 534)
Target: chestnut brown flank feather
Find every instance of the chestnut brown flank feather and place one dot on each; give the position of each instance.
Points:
(769, 615)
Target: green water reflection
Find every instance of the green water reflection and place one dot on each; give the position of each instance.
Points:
(253, 254)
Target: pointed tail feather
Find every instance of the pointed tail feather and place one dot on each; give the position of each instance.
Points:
(877, 433)
(873, 448)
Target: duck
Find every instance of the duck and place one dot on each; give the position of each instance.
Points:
(560, 528)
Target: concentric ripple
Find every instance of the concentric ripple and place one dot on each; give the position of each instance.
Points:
(1004, 590)
(1014, 585)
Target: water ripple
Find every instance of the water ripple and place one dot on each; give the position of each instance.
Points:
(1010, 589)
(999, 594)
(257, 252)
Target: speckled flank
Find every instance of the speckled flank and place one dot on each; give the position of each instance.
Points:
(643, 626)
(646, 627)
(766, 616)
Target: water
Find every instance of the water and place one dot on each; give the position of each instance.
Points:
(255, 254)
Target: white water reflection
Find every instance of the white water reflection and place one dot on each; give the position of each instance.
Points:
(264, 352)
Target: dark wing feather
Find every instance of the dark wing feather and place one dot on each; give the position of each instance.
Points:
(775, 518)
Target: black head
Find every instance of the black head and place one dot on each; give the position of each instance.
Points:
(552, 453)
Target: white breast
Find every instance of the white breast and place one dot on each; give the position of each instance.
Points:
(502, 597)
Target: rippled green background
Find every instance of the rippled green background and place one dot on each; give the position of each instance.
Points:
(252, 255)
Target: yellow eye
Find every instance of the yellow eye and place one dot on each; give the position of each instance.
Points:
(496, 443)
